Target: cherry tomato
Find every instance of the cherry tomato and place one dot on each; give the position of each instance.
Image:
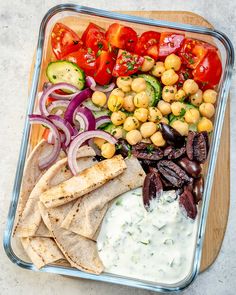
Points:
(85, 59)
(122, 37)
(94, 38)
(209, 70)
(193, 51)
(104, 66)
(127, 63)
(184, 74)
(64, 41)
(169, 43)
(148, 44)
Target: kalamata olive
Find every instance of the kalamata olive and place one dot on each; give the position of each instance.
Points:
(187, 202)
(193, 168)
(198, 187)
(152, 188)
(123, 148)
(172, 136)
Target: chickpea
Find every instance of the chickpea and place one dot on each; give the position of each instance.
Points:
(133, 137)
(181, 127)
(118, 118)
(131, 123)
(169, 77)
(147, 64)
(99, 141)
(164, 120)
(180, 95)
(158, 69)
(154, 115)
(128, 104)
(196, 98)
(172, 61)
(115, 102)
(147, 129)
(177, 107)
(204, 125)
(141, 114)
(207, 109)
(141, 100)
(192, 116)
(190, 86)
(124, 83)
(209, 95)
(118, 132)
(138, 84)
(168, 93)
(164, 107)
(108, 150)
(158, 139)
(118, 92)
(99, 98)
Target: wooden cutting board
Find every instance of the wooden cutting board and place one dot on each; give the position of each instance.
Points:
(220, 198)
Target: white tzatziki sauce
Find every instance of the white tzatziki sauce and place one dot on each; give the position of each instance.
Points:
(156, 246)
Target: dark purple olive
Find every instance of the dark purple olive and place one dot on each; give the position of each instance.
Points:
(198, 187)
(123, 148)
(186, 200)
(191, 167)
(172, 136)
(152, 188)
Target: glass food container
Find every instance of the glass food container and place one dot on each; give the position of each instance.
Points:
(77, 17)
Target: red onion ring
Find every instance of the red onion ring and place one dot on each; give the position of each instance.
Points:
(87, 116)
(49, 91)
(102, 120)
(63, 125)
(79, 140)
(67, 96)
(50, 159)
(92, 84)
(57, 104)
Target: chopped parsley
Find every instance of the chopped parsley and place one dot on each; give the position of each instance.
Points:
(150, 149)
(89, 50)
(182, 112)
(108, 71)
(100, 45)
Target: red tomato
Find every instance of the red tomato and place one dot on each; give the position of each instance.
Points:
(85, 59)
(122, 37)
(94, 38)
(184, 74)
(209, 70)
(193, 51)
(64, 41)
(127, 63)
(169, 43)
(148, 44)
(104, 66)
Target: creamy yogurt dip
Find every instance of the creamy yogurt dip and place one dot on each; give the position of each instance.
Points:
(155, 246)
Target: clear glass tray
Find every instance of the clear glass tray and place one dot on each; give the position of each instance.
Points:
(78, 17)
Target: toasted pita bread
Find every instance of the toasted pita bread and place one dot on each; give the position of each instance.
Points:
(87, 213)
(79, 251)
(30, 219)
(43, 231)
(83, 183)
(41, 251)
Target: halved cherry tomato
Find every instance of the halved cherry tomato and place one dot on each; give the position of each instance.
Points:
(169, 43)
(193, 51)
(209, 70)
(184, 74)
(127, 63)
(104, 66)
(122, 37)
(64, 41)
(94, 38)
(148, 44)
(85, 59)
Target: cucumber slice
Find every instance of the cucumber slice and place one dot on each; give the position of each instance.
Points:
(65, 71)
(104, 112)
(151, 94)
(155, 84)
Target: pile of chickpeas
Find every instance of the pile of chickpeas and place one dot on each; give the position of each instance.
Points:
(136, 121)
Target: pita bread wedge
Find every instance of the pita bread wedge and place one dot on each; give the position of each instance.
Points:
(43, 231)
(79, 251)
(30, 219)
(87, 213)
(41, 251)
(83, 183)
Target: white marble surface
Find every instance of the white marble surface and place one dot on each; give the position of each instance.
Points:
(19, 24)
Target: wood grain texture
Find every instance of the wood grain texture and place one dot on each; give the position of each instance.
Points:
(220, 197)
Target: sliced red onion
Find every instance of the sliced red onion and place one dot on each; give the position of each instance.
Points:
(102, 120)
(88, 118)
(51, 158)
(92, 84)
(63, 125)
(49, 91)
(57, 104)
(75, 103)
(50, 138)
(64, 96)
(79, 140)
